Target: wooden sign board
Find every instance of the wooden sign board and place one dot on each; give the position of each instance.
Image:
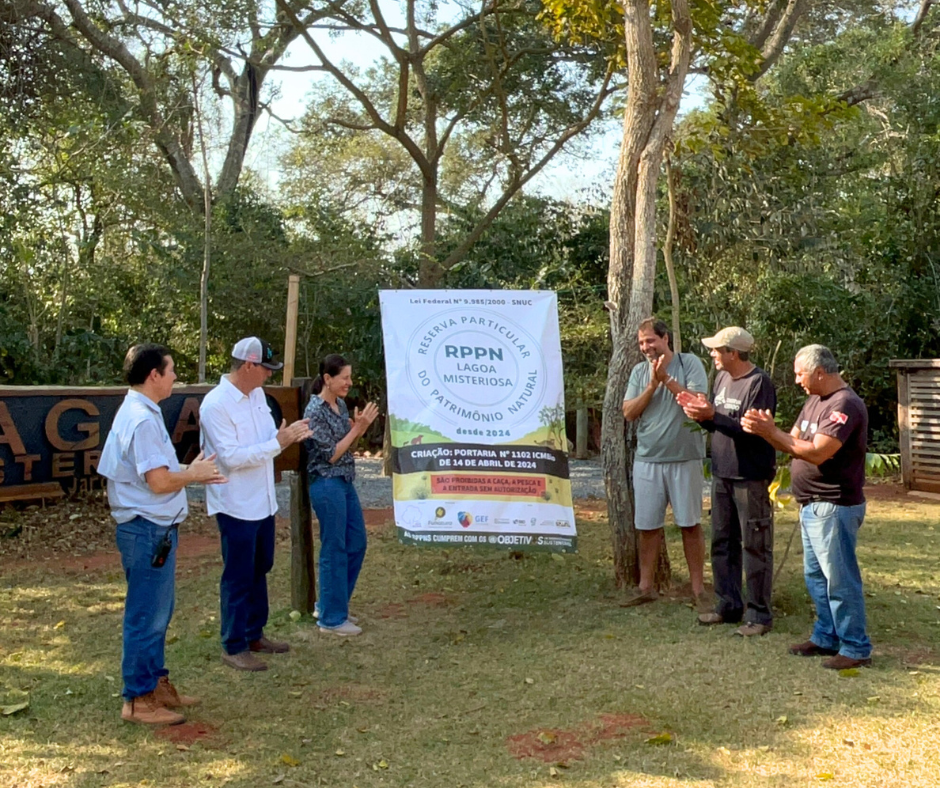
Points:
(51, 437)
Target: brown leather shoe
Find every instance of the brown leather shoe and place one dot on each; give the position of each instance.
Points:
(840, 662)
(639, 597)
(264, 646)
(753, 629)
(147, 710)
(167, 695)
(810, 649)
(243, 661)
(703, 603)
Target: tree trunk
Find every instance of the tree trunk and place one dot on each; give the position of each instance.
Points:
(667, 257)
(651, 109)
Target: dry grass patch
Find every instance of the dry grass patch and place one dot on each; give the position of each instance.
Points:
(484, 649)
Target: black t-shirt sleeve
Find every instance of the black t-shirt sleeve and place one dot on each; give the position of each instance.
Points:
(760, 393)
(842, 420)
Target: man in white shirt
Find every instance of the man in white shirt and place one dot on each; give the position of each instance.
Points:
(148, 500)
(237, 427)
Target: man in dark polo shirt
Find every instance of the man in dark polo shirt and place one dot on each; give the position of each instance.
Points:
(743, 466)
(828, 444)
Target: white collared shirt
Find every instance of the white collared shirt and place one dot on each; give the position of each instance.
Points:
(240, 430)
(137, 443)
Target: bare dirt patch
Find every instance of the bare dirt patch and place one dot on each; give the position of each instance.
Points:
(432, 599)
(888, 492)
(554, 745)
(188, 733)
(392, 610)
(379, 519)
(400, 609)
(350, 693)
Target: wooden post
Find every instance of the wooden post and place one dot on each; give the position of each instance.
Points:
(581, 434)
(303, 578)
(290, 329)
(904, 426)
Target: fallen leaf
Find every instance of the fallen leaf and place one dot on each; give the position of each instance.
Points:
(724, 751)
(825, 776)
(848, 742)
(383, 764)
(546, 737)
(660, 739)
(552, 771)
(362, 730)
(866, 746)
(294, 615)
(764, 748)
(848, 673)
(289, 760)
(295, 694)
(182, 748)
(530, 681)
(278, 780)
(171, 639)
(340, 753)
(781, 720)
(873, 699)
(13, 708)
(59, 625)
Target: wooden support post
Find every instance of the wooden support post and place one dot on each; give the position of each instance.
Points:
(581, 434)
(904, 426)
(290, 328)
(303, 579)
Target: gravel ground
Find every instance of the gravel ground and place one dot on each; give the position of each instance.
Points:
(375, 490)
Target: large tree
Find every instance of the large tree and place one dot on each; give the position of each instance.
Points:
(466, 104)
(735, 43)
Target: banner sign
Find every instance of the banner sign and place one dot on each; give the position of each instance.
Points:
(51, 438)
(477, 414)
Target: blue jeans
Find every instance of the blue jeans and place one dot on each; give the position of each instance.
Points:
(148, 607)
(248, 555)
(342, 546)
(833, 579)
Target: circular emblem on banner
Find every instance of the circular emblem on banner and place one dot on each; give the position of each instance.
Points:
(480, 366)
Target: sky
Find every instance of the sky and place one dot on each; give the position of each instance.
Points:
(567, 177)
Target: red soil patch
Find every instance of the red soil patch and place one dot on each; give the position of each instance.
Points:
(431, 599)
(392, 610)
(400, 609)
(378, 519)
(187, 732)
(912, 657)
(357, 693)
(554, 745)
(891, 492)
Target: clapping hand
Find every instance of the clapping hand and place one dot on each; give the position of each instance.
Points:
(659, 372)
(204, 470)
(758, 422)
(695, 405)
(288, 435)
(362, 420)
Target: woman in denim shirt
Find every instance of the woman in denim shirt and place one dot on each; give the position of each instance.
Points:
(332, 470)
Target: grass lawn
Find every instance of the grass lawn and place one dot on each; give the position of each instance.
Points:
(478, 669)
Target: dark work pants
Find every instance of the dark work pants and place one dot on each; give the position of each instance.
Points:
(742, 539)
(248, 555)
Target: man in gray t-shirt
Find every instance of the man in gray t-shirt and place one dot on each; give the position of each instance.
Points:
(668, 463)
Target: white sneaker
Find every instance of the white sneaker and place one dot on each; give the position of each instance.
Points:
(345, 630)
(350, 618)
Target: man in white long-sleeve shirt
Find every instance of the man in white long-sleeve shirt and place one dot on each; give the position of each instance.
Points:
(238, 427)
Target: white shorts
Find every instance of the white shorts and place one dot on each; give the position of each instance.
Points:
(678, 483)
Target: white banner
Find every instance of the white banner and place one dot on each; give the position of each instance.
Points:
(476, 402)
